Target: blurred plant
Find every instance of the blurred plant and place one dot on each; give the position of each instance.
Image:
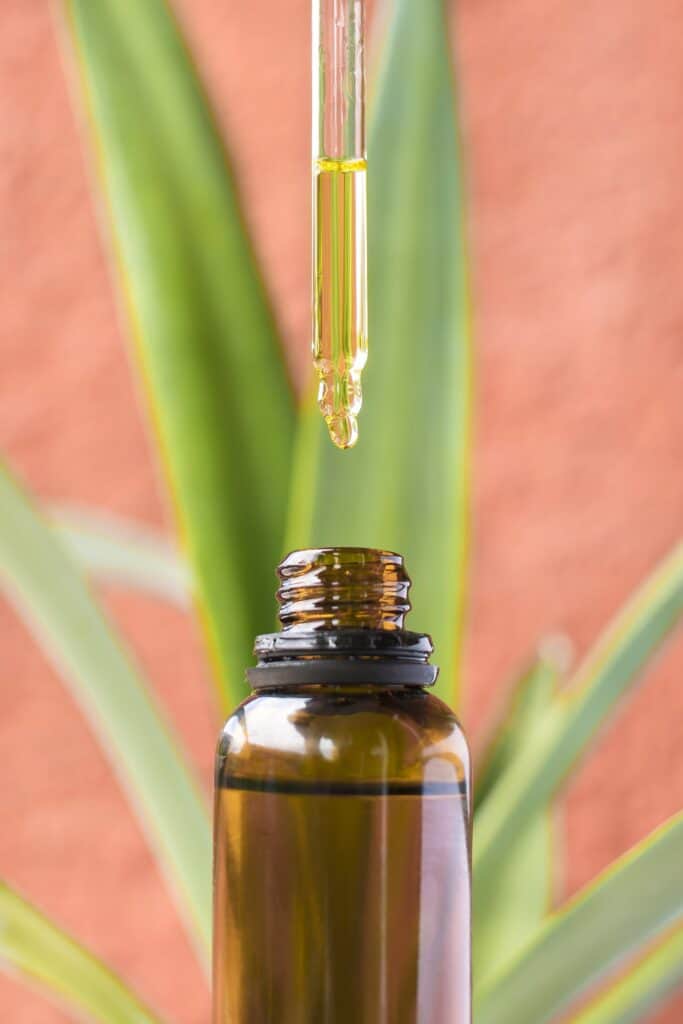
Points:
(238, 455)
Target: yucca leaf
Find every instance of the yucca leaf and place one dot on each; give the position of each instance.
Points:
(206, 340)
(642, 989)
(635, 901)
(526, 706)
(405, 484)
(517, 901)
(48, 590)
(519, 897)
(123, 553)
(34, 947)
(573, 720)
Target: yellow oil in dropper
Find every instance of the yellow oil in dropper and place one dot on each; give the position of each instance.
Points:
(340, 320)
(340, 346)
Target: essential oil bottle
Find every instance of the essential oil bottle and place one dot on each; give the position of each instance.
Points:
(342, 818)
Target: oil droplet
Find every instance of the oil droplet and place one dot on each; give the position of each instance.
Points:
(343, 431)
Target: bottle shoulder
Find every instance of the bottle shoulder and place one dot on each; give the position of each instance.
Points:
(339, 733)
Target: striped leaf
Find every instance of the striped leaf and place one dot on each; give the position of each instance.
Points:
(206, 342)
(124, 554)
(615, 664)
(35, 948)
(37, 573)
(642, 989)
(519, 897)
(594, 935)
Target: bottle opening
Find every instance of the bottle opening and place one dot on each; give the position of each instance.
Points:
(343, 588)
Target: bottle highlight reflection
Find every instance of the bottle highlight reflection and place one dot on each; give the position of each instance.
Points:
(342, 878)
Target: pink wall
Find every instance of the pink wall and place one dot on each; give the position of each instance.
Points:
(573, 128)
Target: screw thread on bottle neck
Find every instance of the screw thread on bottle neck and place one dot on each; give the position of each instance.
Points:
(343, 588)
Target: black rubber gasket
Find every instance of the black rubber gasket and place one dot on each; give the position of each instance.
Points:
(398, 644)
(342, 671)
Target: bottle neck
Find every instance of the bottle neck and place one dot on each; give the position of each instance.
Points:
(343, 612)
(326, 589)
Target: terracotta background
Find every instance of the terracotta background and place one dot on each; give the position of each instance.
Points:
(573, 130)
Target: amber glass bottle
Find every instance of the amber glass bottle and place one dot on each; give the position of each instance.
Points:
(342, 853)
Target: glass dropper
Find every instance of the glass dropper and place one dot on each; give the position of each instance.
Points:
(340, 316)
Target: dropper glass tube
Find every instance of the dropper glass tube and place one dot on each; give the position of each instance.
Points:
(340, 327)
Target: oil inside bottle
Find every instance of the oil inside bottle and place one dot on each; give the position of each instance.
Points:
(340, 898)
(340, 343)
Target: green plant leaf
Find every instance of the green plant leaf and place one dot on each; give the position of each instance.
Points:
(519, 897)
(517, 901)
(573, 720)
(48, 590)
(642, 989)
(592, 935)
(33, 946)
(123, 553)
(207, 344)
(404, 486)
(529, 700)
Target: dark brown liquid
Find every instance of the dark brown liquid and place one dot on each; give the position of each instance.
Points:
(342, 903)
